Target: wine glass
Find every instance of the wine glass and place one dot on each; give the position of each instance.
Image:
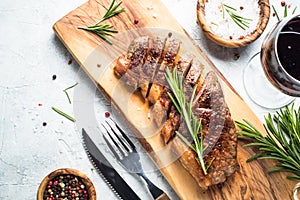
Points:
(280, 61)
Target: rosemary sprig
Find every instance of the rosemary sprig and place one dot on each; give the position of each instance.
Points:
(112, 11)
(193, 124)
(275, 12)
(64, 114)
(102, 30)
(66, 91)
(105, 30)
(281, 143)
(242, 22)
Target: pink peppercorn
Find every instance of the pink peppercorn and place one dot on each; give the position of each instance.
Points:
(107, 114)
(282, 3)
(135, 21)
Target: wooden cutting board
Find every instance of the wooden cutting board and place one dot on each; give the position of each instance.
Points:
(251, 181)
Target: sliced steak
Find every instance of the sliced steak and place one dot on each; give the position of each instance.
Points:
(170, 125)
(223, 153)
(128, 67)
(211, 96)
(191, 69)
(162, 101)
(192, 77)
(150, 66)
(159, 81)
(191, 80)
(145, 63)
(219, 136)
(160, 112)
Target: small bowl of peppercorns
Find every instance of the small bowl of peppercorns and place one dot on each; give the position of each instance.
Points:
(66, 184)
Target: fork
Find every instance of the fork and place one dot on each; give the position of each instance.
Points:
(126, 154)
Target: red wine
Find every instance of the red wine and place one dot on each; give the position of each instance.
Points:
(288, 47)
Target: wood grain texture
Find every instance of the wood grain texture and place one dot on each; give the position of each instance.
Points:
(251, 181)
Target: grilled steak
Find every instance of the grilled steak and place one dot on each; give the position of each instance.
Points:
(148, 70)
(159, 81)
(144, 67)
(218, 132)
(160, 97)
(191, 74)
(128, 66)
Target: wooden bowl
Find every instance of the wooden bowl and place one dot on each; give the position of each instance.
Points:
(235, 43)
(65, 171)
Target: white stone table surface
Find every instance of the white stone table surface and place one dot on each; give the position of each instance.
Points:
(34, 140)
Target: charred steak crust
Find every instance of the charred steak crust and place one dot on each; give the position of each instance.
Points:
(151, 63)
(144, 66)
(219, 136)
(172, 123)
(128, 66)
(163, 103)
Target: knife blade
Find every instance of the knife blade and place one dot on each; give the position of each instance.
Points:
(106, 171)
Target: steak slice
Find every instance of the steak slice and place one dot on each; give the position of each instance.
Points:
(150, 66)
(219, 136)
(191, 80)
(211, 96)
(191, 75)
(163, 102)
(159, 81)
(128, 67)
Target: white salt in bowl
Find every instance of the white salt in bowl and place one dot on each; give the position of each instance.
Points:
(223, 30)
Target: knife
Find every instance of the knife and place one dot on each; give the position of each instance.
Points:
(106, 171)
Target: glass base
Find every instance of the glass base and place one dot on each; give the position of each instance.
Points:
(260, 90)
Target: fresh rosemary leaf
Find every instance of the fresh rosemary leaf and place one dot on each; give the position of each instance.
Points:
(112, 11)
(281, 142)
(294, 10)
(242, 22)
(106, 30)
(67, 94)
(71, 86)
(102, 30)
(193, 124)
(276, 14)
(255, 144)
(65, 91)
(186, 141)
(285, 11)
(276, 169)
(64, 114)
(293, 177)
(255, 156)
(229, 7)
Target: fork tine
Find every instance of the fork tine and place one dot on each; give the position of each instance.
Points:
(112, 149)
(113, 146)
(125, 136)
(121, 135)
(117, 136)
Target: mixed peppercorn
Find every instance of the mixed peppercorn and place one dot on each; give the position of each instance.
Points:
(66, 187)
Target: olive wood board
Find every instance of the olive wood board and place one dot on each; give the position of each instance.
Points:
(251, 180)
